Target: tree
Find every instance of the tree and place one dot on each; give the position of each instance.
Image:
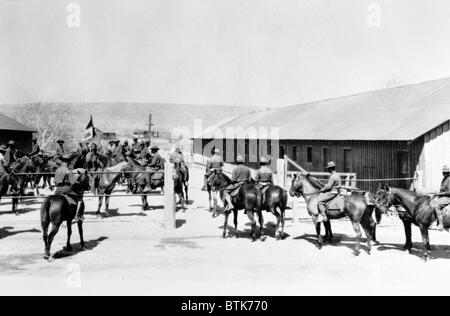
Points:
(51, 121)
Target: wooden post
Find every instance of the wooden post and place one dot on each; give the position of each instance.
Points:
(169, 196)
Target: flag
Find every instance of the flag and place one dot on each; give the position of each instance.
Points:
(89, 133)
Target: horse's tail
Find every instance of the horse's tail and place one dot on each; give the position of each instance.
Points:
(45, 214)
(285, 199)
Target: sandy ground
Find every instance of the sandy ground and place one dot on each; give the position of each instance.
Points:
(131, 253)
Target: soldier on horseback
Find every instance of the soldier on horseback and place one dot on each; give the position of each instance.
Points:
(213, 164)
(3, 171)
(59, 151)
(155, 165)
(442, 199)
(264, 176)
(330, 190)
(63, 182)
(135, 147)
(178, 158)
(241, 175)
(35, 149)
(10, 156)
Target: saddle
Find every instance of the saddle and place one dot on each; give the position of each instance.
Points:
(336, 204)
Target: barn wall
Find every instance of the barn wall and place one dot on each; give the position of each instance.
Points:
(434, 149)
(368, 159)
(23, 139)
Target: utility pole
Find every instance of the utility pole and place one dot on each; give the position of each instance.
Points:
(150, 127)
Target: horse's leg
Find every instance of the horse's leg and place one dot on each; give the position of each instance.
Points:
(252, 220)
(282, 214)
(367, 227)
(235, 222)
(357, 229)
(210, 200)
(319, 236)
(107, 197)
(45, 224)
(275, 213)
(80, 232)
(407, 225)
(215, 198)
(15, 206)
(425, 242)
(51, 236)
(186, 190)
(69, 234)
(100, 202)
(329, 232)
(225, 225)
(261, 224)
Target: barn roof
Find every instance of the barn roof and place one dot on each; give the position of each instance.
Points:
(401, 113)
(7, 123)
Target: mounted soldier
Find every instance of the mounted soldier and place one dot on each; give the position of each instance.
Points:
(63, 183)
(264, 176)
(144, 154)
(3, 169)
(442, 199)
(126, 149)
(155, 165)
(241, 175)
(178, 157)
(136, 147)
(10, 156)
(60, 152)
(35, 149)
(214, 164)
(330, 190)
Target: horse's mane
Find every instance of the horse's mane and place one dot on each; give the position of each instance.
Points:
(316, 183)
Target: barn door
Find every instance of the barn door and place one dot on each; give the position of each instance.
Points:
(402, 169)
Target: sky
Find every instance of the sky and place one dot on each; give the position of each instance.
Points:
(221, 52)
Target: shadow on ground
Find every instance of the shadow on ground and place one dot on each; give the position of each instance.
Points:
(90, 245)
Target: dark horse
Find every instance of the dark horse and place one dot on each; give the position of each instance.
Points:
(275, 198)
(57, 209)
(418, 212)
(248, 199)
(355, 207)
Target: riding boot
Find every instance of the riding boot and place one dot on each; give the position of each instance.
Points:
(79, 213)
(440, 220)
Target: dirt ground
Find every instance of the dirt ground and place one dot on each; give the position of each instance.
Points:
(131, 253)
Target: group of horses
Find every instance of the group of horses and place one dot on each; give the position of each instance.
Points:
(57, 209)
(363, 209)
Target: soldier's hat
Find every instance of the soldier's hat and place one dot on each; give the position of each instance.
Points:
(60, 141)
(263, 160)
(446, 168)
(125, 141)
(239, 158)
(331, 164)
(3, 148)
(154, 147)
(117, 141)
(135, 138)
(11, 143)
(111, 142)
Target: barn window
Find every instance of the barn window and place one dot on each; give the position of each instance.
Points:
(294, 153)
(325, 155)
(309, 154)
(347, 160)
(282, 152)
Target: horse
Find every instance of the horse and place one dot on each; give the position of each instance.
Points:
(57, 209)
(355, 207)
(249, 199)
(418, 212)
(140, 180)
(213, 184)
(179, 183)
(275, 198)
(106, 183)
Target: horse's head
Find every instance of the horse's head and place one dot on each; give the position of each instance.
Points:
(81, 180)
(296, 189)
(384, 198)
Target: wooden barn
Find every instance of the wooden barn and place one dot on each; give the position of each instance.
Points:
(11, 129)
(393, 133)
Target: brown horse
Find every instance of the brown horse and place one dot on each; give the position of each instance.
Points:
(355, 207)
(274, 200)
(248, 199)
(418, 212)
(57, 209)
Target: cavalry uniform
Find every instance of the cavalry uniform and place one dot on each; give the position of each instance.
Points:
(178, 158)
(330, 190)
(35, 149)
(264, 176)
(156, 162)
(214, 164)
(241, 175)
(9, 159)
(442, 199)
(136, 148)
